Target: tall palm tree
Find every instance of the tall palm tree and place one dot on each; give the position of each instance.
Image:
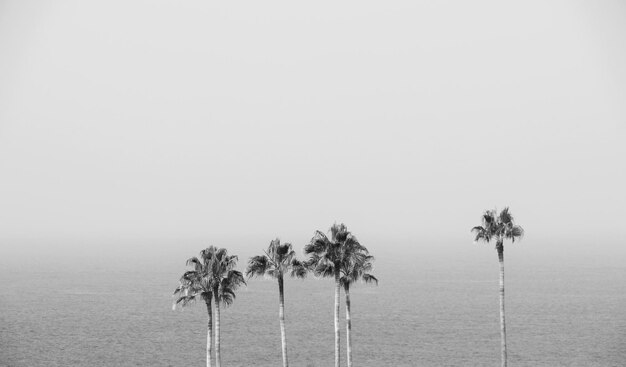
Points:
(196, 284)
(225, 280)
(325, 258)
(356, 266)
(278, 261)
(499, 227)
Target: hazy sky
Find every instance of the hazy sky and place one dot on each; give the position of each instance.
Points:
(203, 119)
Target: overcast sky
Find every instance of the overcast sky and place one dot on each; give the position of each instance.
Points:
(205, 119)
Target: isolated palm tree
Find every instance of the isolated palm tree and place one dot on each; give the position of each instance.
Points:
(354, 267)
(278, 261)
(196, 284)
(499, 227)
(325, 258)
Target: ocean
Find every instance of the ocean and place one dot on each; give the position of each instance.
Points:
(436, 305)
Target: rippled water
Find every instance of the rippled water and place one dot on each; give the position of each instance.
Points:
(432, 308)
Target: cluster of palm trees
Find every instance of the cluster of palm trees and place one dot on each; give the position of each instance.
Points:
(339, 256)
(343, 258)
(215, 280)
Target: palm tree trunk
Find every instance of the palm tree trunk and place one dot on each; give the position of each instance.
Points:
(218, 360)
(281, 316)
(500, 249)
(209, 334)
(337, 293)
(348, 325)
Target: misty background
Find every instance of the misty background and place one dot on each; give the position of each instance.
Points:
(194, 123)
(135, 133)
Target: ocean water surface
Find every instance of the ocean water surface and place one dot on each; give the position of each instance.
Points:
(97, 305)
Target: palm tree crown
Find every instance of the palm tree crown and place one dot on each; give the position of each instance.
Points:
(497, 227)
(357, 267)
(214, 274)
(326, 255)
(222, 274)
(279, 259)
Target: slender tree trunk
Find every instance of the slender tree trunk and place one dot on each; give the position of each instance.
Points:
(218, 359)
(503, 358)
(337, 338)
(209, 334)
(348, 325)
(281, 316)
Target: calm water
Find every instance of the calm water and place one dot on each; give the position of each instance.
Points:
(435, 307)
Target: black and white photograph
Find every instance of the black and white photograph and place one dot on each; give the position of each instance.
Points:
(312, 184)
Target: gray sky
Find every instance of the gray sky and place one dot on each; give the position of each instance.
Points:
(154, 119)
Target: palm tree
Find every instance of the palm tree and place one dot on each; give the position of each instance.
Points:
(499, 227)
(225, 280)
(355, 267)
(195, 284)
(326, 256)
(278, 261)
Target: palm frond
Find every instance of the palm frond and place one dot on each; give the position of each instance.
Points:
(298, 269)
(355, 267)
(319, 243)
(178, 290)
(207, 255)
(227, 297)
(516, 232)
(368, 278)
(282, 250)
(189, 276)
(185, 301)
(257, 266)
(480, 233)
(505, 216)
(228, 286)
(325, 269)
(195, 262)
(489, 217)
(339, 232)
(236, 278)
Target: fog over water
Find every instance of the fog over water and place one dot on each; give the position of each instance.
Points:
(154, 119)
(435, 306)
(133, 134)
